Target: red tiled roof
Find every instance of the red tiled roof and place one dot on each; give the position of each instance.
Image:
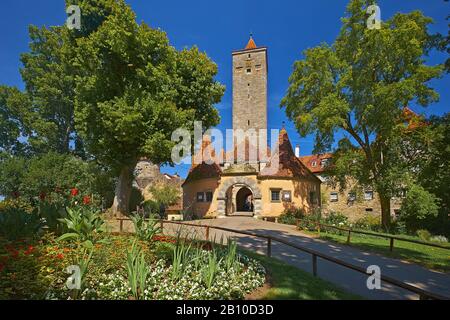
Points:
(413, 119)
(203, 171)
(289, 165)
(176, 207)
(313, 162)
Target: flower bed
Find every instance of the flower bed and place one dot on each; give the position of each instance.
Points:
(37, 270)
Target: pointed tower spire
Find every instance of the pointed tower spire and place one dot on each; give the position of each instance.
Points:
(251, 43)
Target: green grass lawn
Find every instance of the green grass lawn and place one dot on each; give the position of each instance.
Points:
(430, 257)
(291, 283)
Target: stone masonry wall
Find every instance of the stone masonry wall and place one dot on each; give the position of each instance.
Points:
(250, 89)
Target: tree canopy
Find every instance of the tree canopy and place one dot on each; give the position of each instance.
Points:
(112, 92)
(134, 89)
(359, 87)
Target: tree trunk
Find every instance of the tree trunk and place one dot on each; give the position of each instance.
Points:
(385, 202)
(121, 202)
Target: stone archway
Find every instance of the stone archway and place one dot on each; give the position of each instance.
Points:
(247, 182)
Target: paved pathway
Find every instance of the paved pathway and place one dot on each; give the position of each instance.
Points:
(350, 280)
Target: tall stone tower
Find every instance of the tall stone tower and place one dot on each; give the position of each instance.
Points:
(250, 71)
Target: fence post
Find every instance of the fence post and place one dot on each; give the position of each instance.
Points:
(314, 261)
(297, 223)
(349, 235)
(391, 245)
(121, 226)
(162, 226)
(269, 247)
(318, 228)
(207, 233)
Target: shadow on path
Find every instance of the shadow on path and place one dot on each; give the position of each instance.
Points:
(345, 278)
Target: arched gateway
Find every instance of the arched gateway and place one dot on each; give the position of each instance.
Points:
(249, 183)
(235, 183)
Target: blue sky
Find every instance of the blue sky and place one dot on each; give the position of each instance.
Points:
(286, 27)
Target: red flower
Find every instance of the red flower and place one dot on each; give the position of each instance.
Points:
(60, 256)
(29, 250)
(42, 195)
(74, 192)
(160, 238)
(86, 200)
(14, 253)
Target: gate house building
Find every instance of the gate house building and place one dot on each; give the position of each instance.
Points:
(251, 187)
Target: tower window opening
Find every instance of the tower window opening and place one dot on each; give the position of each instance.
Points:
(248, 123)
(249, 70)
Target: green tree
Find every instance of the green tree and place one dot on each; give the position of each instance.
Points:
(164, 195)
(11, 127)
(419, 208)
(43, 114)
(49, 96)
(445, 44)
(12, 170)
(433, 166)
(134, 90)
(359, 87)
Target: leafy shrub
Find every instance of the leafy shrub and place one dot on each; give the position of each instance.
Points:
(151, 208)
(424, 234)
(440, 239)
(50, 176)
(18, 224)
(15, 203)
(83, 224)
(51, 215)
(291, 215)
(398, 227)
(309, 221)
(145, 229)
(368, 222)
(418, 208)
(336, 219)
(163, 196)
